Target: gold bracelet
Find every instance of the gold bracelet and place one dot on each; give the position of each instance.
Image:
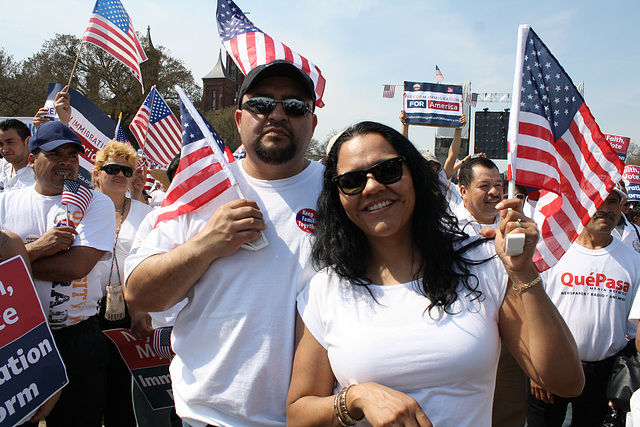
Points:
(527, 285)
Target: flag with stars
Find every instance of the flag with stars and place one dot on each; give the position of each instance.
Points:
(157, 130)
(389, 91)
(111, 29)
(556, 145)
(203, 172)
(120, 134)
(76, 194)
(250, 47)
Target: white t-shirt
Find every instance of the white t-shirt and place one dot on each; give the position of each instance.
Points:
(468, 224)
(29, 214)
(593, 291)
(164, 318)
(448, 364)
(22, 178)
(630, 235)
(234, 339)
(128, 229)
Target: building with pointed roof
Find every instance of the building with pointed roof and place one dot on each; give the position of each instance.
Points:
(221, 85)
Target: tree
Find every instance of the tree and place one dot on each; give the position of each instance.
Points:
(318, 150)
(224, 122)
(98, 76)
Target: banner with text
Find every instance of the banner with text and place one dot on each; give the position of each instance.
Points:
(432, 104)
(150, 371)
(91, 124)
(631, 178)
(31, 369)
(619, 143)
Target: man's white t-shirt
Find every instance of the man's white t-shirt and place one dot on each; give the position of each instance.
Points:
(234, 339)
(30, 214)
(9, 181)
(594, 291)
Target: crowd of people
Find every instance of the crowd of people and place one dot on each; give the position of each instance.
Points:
(384, 297)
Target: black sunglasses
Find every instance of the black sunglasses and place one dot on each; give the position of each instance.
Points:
(263, 105)
(127, 171)
(386, 172)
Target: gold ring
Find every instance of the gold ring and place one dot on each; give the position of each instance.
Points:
(519, 223)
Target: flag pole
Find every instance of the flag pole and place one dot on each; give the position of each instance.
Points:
(75, 64)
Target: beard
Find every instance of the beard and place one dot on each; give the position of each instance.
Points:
(276, 154)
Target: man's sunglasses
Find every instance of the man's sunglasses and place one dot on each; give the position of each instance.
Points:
(263, 105)
(386, 172)
(127, 171)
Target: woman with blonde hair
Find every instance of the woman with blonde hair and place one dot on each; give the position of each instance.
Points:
(112, 175)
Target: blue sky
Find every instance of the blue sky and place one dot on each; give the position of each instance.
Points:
(362, 44)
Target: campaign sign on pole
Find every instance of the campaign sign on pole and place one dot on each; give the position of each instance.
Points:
(619, 143)
(432, 104)
(91, 124)
(631, 178)
(150, 371)
(31, 369)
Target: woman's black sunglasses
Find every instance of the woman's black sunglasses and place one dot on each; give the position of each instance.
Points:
(386, 172)
(263, 105)
(127, 171)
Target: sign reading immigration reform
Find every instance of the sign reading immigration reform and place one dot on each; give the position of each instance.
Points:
(31, 369)
(149, 370)
(432, 104)
(631, 177)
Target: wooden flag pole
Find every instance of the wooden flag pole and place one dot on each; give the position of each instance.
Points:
(75, 64)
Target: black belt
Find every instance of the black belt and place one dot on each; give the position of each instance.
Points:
(599, 366)
(91, 322)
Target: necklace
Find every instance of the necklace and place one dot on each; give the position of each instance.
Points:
(115, 243)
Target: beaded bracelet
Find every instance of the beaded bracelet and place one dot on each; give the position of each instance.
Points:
(527, 285)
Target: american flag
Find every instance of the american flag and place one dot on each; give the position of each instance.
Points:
(157, 129)
(111, 29)
(162, 342)
(76, 194)
(389, 91)
(472, 99)
(439, 76)
(556, 145)
(203, 172)
(120, 134)
(250, 47)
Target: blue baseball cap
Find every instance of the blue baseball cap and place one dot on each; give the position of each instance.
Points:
(51, 135)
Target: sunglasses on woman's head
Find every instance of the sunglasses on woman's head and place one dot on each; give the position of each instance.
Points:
(386, 172)
(263, 105)
(127, 171)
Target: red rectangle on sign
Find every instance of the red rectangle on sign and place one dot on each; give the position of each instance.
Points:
(443, 105)
(136, 353)
(20, 309)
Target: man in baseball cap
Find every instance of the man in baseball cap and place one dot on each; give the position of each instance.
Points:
(231, 366)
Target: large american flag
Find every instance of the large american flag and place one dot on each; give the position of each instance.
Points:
(111, 29)
(157, 130)
(556, 145)
(76, 194)
(250, 47)
(203, 172)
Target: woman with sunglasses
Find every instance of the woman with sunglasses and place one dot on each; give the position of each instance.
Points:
(112, 175)
(402, 325)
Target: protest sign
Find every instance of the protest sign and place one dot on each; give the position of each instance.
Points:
(150, 371)
(31, 369)
(91, 124)
(631, 177)
(619, 143)
(432, 104)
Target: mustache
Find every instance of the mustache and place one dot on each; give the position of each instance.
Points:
(275, 125)
(604, 215)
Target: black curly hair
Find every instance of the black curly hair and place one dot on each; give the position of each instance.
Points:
(338, 243)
